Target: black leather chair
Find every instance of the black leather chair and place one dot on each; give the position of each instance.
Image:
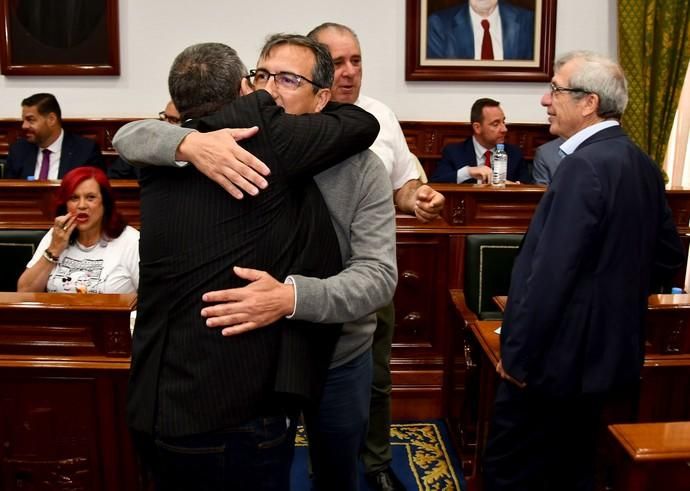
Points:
(488, 264)
(17, 247)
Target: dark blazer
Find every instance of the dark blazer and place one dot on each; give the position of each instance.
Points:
(450, 34)
(121, 169)
(458, 155)
(187, 378)
(601, 236)
(76, 151)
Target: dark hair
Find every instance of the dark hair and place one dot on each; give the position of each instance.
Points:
(477, 111)
(323, 71)
(203, 78)
(113, 222)
(45, 104)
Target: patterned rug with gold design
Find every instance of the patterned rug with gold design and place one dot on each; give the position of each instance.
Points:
(423, 459)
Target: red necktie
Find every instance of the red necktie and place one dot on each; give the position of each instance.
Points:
(487, 47)
(45, 165)
(487, 158)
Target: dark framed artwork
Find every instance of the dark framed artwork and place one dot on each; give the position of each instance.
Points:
(441, 40)
(59, 37)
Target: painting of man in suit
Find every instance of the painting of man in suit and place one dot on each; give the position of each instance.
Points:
(482, 30)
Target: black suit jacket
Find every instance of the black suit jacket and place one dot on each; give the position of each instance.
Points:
(458, 155)
(578, 295)
(121, 169)
(76, 151)
(185, 377)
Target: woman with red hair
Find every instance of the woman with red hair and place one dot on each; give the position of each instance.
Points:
(90, 248)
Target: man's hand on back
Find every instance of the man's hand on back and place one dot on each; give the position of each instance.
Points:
(262, 302)
(218, 156)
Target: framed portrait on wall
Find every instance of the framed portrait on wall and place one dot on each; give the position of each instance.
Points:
(59, 37)
(480, 40)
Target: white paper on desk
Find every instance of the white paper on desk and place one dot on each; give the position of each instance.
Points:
(498, 330)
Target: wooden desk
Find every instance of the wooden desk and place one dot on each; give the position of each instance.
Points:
(426, 347)
(652, 456)
(64, 366)
(665, 379)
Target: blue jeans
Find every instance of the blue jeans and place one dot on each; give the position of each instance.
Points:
(337, 427)
(255, 456)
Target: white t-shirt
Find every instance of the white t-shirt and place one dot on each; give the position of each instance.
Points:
(390, 146)
(111, 266)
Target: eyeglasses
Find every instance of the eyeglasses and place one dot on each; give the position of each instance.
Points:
(162, 116)
(557, 88)
(287, 80)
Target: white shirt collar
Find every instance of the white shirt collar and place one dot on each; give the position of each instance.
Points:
(479, 150)
(576, 140)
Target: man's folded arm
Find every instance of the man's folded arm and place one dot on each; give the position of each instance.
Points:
(311, 143)
(150, 142)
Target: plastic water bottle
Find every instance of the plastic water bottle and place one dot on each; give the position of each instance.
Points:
(499, 167)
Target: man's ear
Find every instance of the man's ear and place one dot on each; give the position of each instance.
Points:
(245, 87)
(591, 104)
(476, 127)
(322, 98)
(51, 119)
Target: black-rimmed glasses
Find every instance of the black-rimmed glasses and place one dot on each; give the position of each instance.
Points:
(557, 88)
(163, 116)
(288, 80)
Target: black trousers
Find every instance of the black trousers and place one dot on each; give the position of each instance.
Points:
(541, 443)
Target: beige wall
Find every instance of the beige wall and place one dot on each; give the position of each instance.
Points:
(152, 32)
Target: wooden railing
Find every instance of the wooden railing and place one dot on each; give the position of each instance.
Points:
(426, 139)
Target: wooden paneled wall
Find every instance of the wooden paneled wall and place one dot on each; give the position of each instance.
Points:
(426, 139)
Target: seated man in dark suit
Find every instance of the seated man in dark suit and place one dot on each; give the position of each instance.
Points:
(470, 161)
(60, 151)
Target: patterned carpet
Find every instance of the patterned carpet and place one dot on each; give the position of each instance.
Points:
(423, 459)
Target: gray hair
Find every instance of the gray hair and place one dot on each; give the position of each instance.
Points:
(323, 72)
(598, 75)
(204, 77)
(341, 28)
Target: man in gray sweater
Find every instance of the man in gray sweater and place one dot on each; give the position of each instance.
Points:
(358, 196)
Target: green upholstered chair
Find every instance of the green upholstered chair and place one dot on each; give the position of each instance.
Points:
(488, 264)
(17, 247)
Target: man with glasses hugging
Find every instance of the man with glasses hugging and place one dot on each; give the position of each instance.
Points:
(297, 72)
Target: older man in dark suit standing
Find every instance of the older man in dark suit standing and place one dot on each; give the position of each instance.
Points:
(60, 151)
(572, 335)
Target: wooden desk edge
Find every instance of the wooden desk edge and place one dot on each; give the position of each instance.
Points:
(624, 434)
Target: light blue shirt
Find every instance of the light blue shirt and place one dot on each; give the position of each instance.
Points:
(571, 144)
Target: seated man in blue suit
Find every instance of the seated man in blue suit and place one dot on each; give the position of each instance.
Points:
(468, 162)
(461, 32)
(60, 151)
